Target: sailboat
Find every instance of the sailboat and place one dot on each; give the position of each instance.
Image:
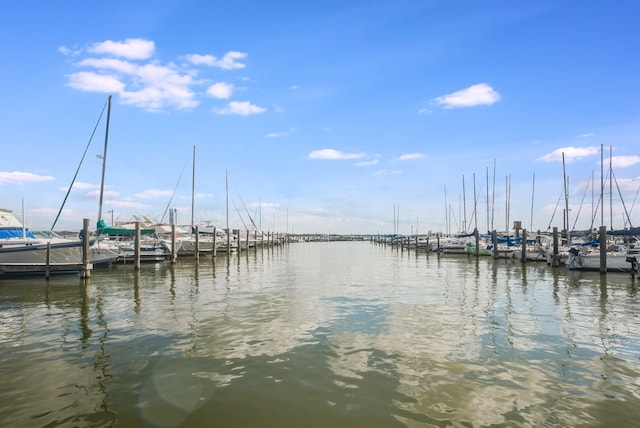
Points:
(101, 227)
(620, 255)
(186, 244)
(150, 250)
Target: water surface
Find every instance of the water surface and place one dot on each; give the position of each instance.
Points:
(330, 334)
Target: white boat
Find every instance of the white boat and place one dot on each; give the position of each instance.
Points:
(22, 252)
(619, 258)
(151, 250)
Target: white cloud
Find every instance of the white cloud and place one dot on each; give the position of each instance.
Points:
(424, 111)
(203, 195)
(242, 108)
(113, 64)
(384, 172)
(127, 204)
(281, 134)
(19, 177)
(367, 163)
(334, 155)
(624, 161)
(587, 135)
(130, 48)
(89, 81)
(107, 194)
(410, 156)
(480, 94)
(221, 90)
(570, 153)
(153, 194)
(128, 68)
(227, 62)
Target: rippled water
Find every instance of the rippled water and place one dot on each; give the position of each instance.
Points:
(322, 335)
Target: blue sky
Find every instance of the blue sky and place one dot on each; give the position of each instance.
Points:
(327, 116)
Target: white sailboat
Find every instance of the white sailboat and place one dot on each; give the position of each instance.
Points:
(24, 253)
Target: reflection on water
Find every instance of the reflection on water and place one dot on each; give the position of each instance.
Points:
(322, 334)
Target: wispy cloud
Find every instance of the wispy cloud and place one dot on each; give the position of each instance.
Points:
(480, 94)
(130, 69)
(383, 172)
(334, 155)
(19, 177)
(367, 163)
(153, 194)
(410, 156)
(241, 108)
(221, 90)
(130, 48)
(281, 133)
(570, 153)
(624, 161)
(228, 62)
(587, 135)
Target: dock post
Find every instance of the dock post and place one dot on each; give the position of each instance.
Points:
(603, 249)
(556, 256)
(85, 271)
(47, 269)
(173, 243)
(215, 245)
(494, 242)
(136, 253)
(247, 240)
(476, 233)
(524, 245)
(197, 254)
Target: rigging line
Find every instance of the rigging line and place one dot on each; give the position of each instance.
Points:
(581, 202)
(555, 210)
(634, 200)
(621, 199)
(600, 201)
(78, 169)
(238, 212)
(245, 206)
(174, 192)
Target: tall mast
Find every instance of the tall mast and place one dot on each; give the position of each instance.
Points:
(488, 217)
(464, 207)
(475, 206)
(533, 191)
(611, 187)
(226, 185)
(493, 194)
(565, 220)
(193, 186)
(601, 185)
(104, 157)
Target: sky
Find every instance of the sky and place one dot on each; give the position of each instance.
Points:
(363, 117)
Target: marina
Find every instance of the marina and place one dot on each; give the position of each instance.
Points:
(325, 333)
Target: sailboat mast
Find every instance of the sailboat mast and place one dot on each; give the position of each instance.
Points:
(193, 186)
(565, 220)
(487, 176)
(104, 158)
(464, 207)
(226, 183)
(533, 191)
(493, 194)
(475, 205)
(601, 185)
(611, 186)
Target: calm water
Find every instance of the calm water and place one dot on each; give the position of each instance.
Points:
(322, 335)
